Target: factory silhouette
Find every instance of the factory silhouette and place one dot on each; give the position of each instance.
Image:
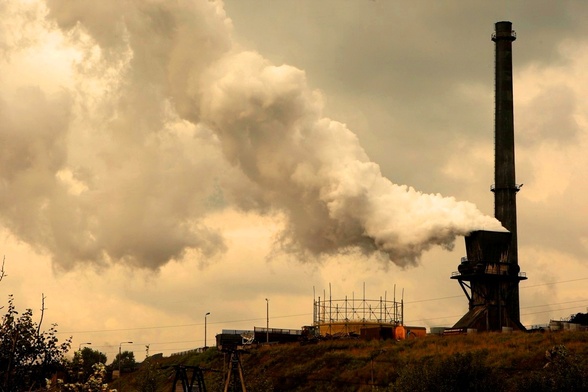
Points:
(489, 274)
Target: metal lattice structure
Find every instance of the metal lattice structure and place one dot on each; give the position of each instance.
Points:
(350, 315)
(185, 382)
(234, 378)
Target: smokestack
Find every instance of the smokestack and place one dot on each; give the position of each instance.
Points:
(505, 188)
(490, 274)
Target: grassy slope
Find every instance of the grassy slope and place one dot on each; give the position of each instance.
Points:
(479, 362)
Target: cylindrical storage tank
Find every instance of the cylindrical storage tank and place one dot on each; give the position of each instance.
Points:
(506, 329)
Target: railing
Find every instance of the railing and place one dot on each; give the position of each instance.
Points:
(279, 331)
(489, 271)
(516, 188)
(193, 351)
(513, 34)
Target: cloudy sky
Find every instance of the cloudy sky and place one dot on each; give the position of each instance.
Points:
(160, 160)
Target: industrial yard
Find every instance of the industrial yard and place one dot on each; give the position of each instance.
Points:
(177, 180)
(359, 344)
(518, 361)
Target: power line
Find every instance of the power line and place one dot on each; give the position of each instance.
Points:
(435, 318)
(524, 314)
(522, 287)
(181, 325)
(308, 314)
(432, 299)
(551, 310)
(550, 283)
(560, 303)
(411, 321)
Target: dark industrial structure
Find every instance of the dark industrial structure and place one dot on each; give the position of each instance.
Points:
(184, 382)
(490, 274)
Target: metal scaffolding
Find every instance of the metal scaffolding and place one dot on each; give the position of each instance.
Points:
(350, 314)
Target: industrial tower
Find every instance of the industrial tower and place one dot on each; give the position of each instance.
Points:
(491, 271)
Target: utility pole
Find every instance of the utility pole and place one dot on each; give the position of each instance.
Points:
(267, 321)
(119, 362)
(205, 316)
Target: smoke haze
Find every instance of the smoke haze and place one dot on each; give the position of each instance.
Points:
(160, 120)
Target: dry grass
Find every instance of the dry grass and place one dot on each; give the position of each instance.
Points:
(517, 359)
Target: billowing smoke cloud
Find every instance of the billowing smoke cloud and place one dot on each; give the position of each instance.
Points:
(167, 120)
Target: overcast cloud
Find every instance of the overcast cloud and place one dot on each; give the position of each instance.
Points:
(161, 160)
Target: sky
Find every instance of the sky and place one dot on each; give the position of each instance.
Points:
(162, 160)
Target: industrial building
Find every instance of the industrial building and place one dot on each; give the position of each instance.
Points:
(490, 274)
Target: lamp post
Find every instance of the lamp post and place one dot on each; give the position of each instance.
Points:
(205, 316)
(267, 320)
(120, 356)
(81, 368)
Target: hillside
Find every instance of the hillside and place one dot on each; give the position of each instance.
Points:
(479, 362)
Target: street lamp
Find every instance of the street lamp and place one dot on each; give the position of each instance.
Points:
(206, 315)
(120, 356)
(79, 353)
(267, 321)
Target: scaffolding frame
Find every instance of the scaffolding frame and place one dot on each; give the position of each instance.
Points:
(348, 314)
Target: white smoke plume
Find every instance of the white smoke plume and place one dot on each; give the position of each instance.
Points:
(166, 120)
